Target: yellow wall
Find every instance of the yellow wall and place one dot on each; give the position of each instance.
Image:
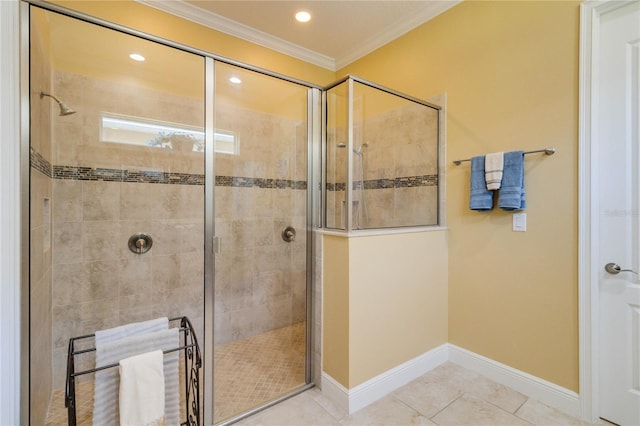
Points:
(335, 315)
(397, 300)
(510, 70)
(152, 21)
(385, 300)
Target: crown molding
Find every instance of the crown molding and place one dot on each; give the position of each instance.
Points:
(396, 30)
(228, 26)
(220, 23)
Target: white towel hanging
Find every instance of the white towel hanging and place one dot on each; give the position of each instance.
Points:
(493, 167)
(142, 390)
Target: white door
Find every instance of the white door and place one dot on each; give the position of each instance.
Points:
(618, 160)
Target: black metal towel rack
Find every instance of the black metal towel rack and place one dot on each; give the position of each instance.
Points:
(192, 364)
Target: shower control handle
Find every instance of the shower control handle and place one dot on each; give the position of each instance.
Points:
(140, 243)
(289, 234)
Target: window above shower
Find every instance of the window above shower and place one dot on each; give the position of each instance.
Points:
(381, 158)
(117, 128)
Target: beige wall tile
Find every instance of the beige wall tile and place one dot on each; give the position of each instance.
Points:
(100, 240)
(98, 200)
(67, 200)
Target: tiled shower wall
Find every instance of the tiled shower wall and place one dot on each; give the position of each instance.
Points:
(399, 168)
(104, 192)
(260, 278)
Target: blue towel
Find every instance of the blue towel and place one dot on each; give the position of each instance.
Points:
(481, 199)
(512, 189)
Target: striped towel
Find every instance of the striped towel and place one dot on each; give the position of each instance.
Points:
(493, 166)
(122, 342)
(105, 406)
(111, 334)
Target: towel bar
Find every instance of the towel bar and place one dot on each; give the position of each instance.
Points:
(548, 151)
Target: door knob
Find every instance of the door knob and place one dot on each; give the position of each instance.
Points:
(614, 269)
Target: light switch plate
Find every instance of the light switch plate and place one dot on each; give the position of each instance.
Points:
(520, 222)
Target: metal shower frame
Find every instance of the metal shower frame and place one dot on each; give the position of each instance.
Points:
(350, 80)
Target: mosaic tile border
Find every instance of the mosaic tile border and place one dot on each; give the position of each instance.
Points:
(247, 182)
(130, 176)
(399, 182)
(41, 164)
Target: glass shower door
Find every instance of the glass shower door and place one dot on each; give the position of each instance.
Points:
(116, 151)
(261, 224)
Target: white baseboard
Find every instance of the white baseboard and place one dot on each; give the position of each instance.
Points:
(352, 400)
(534, 387)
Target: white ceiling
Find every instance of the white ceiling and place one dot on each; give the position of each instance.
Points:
(339, 32)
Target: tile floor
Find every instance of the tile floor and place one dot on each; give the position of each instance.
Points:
(449, 395)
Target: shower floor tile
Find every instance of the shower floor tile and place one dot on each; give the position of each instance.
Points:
(57, 414)
(252, 371)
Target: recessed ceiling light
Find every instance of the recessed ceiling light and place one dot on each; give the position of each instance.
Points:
(235, 80)
(137, 57)
(303, 16)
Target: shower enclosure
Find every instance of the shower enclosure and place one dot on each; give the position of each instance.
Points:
(207, 159)
(165, 182)
(382, 154)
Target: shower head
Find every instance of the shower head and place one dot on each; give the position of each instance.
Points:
(64, 109)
